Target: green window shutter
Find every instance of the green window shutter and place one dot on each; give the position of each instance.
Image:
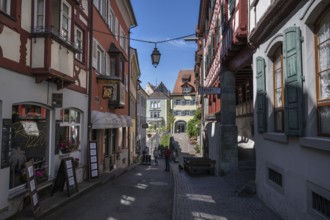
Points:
(293, 87)
(261, 95)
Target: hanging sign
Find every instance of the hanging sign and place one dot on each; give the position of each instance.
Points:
(209, 90)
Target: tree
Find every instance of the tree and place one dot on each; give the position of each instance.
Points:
(193, 124)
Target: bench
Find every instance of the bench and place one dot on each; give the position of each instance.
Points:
(194, 165)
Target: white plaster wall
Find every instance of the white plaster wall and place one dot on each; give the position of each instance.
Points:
(62, 59)
(40, 93)
(38, 52)
(211, 129)
(299, 160)
(10, 43)
(83, 78)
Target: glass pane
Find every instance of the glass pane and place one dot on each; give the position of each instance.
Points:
(69, 138)
(278, 95)
(279, 121)
(278, 79)
(28, 142)
(324, 56)
(325, 85)
(324, 120)
(74, 116)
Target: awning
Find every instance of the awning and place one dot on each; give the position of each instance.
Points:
(103, 120)
(126, 120)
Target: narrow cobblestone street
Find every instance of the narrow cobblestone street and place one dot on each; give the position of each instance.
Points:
(148, 192)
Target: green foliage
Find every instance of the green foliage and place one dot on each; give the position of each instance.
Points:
(193, 124)
(197, 149)
(165, 140)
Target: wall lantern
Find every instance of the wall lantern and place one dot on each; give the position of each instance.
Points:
(155, 56)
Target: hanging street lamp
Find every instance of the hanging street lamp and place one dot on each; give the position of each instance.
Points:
(155, 56)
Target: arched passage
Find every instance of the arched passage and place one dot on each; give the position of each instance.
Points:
(180, 126)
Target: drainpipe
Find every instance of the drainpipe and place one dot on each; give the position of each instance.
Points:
(90, 74)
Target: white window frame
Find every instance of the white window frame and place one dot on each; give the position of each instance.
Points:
(67, 37)
(37, 15)
(101, 60)
(5, 6)
(123, 40)
(79, 42)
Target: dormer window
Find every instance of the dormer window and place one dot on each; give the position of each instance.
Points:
(186, 78)
(186, 90)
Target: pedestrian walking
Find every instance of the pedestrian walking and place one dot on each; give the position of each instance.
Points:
(156, 155)
(167, 154)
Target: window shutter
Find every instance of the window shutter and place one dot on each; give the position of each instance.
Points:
(261, 95)
(293, 88)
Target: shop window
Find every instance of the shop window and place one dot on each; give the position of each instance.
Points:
(29, 141)
(68, 131)
(323, 73)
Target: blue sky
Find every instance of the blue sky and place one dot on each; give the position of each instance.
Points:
(160, 20)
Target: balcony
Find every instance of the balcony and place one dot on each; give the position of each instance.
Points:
(38, 32)
(235, 31)
(52, 57)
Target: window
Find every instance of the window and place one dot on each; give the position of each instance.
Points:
(323, 73)
(155, 104)
(101, 60)
(123, 40)
(154, 114)
(39, 18)
(79, 43)
(65, 21)
(186, 90)
(112, 21)
(177, 102)
(278, 90)
(68, 131)
(29, 138)
(275, 177)
(5, 6)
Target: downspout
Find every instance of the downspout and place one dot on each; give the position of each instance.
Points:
(90, 72)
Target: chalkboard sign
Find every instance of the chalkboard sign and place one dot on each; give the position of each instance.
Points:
(32, 186)
(66, 174)
(93, 160)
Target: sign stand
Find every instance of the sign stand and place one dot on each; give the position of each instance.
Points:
(66, 174)
(32, 186)
(93, 160)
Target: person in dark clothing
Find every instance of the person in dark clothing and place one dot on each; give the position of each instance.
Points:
(167, 154)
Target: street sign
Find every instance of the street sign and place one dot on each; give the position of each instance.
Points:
(209, 90)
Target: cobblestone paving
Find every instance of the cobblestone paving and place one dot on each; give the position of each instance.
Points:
(212, 197)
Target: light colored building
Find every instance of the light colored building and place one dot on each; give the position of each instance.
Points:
(43, 92)
(158, 108)
(141, 142)
(292, 109)
(134, 85)
(183, 100)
